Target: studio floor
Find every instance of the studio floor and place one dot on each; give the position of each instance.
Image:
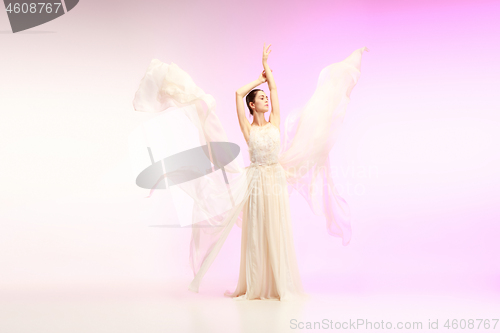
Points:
(172, 308)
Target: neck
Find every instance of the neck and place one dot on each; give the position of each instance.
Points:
(259, 119)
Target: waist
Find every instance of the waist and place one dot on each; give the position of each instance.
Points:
(260, 164)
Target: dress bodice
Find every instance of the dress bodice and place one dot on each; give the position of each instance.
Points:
(264, 144)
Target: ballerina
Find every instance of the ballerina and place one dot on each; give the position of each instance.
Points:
(257, 196)
(268, 265)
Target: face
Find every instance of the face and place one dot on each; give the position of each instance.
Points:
(261, 102)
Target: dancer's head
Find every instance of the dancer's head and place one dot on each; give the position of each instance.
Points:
(257, 101)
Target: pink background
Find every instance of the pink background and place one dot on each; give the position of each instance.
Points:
(424, 117)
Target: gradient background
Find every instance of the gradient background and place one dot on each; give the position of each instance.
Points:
(424, 117)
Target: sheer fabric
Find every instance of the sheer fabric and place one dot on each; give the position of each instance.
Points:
(256, 197)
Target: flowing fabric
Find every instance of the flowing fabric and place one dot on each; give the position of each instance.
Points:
(256, 197)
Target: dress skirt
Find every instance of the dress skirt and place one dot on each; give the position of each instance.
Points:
(268, 264)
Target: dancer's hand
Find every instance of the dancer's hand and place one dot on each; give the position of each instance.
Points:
(262, 77)
(265, 53)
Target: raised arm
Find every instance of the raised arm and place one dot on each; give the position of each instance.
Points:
(274, 117)
(240, 105)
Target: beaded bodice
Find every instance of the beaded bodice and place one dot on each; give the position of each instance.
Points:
(264, 144)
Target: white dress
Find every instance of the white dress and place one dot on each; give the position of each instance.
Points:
(268, 265)
(256, 197)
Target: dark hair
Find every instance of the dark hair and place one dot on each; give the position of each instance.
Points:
(251, 98)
